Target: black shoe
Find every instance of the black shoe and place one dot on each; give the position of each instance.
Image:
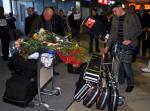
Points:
(129, 88)
(90, 51)
(97, 50)
(56, 73)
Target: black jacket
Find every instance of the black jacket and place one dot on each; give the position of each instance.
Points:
(56, 22)
(100, 26)
(28, 22)
(74, 23)
(4, 30)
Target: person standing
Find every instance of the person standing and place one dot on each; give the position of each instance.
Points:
(64, 19)
(74, 23)
(29, 20)
(145, 21)
(49, 21)
(12, 25)
(4, 35)
(92, 35)
(125, 29)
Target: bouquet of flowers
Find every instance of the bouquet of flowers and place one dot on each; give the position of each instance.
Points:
(68, 51)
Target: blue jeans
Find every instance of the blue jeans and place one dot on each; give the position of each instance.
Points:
(125, 70)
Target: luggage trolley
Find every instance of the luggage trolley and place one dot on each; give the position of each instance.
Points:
(41, 91)
(115, 72)
(47, 62)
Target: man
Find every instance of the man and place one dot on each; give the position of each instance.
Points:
(49, 21)
(4, 35)
(125, 29)
(74, 23)
(29, 20)
(145, 16)
(92, 35)
(64, 19)
(12, 25)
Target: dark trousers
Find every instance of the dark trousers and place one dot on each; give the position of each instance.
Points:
(75, 32)
(125, 70)
(145, 43)
(91, 39)
(139, 44)
(14, 34)
(5, 47)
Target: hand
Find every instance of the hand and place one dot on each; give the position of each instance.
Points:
(106, 50)
(126, 42)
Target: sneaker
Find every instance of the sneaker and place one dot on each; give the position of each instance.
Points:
(147, 69)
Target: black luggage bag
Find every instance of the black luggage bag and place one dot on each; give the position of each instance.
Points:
(23, 67)
(78, 70)
(20, 90)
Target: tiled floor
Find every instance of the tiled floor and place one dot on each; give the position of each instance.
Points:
(138, 99)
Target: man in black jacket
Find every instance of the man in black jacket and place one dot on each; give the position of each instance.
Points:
(49, 21)
(102, 22)
(74, 23)
(4, 34)
(29, 20)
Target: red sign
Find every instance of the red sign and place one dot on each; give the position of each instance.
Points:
(103, 2)
(89, 23)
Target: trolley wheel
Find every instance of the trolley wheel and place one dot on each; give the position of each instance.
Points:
(57, 91)
(121, 101)
(31, 104)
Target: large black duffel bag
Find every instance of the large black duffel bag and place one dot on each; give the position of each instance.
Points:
(23, 67)
(20, 90)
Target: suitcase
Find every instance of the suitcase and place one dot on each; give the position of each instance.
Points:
(20, 91)
(91, 97)
(92, 71)
(80, 83)
(82, 92)
(24, 67)
(113, 101)
(103, 95)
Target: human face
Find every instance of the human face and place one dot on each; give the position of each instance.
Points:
(48, 14)
(117, 11)
(30, 11)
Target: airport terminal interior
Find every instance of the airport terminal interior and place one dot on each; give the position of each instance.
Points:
(51, 81)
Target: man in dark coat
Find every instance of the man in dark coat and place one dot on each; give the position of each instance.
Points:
(102, 22)
(4, 34)
(75, 25)
(12, 25)
(49, 21)
(29, 20)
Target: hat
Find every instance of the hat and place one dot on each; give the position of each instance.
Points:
(116, 4)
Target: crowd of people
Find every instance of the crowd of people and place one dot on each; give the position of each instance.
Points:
(128, 28)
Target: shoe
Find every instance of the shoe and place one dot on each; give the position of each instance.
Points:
(147, 69)
(129, 88)
(90, 51)
(56, 73)
(97, 50)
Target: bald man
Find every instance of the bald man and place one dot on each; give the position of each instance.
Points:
(49, 21)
